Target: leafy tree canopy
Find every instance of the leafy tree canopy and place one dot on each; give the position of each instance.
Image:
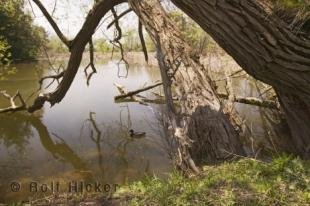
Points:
(19, 38)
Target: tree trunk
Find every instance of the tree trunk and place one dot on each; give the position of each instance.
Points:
(201, 129)
(264, 46)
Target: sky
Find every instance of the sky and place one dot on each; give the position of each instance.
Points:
(70, 15)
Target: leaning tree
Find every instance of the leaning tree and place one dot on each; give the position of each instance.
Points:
(267, 48)
(258, 40)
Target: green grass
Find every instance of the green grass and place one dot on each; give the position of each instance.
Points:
(284, 181)
(296, 4)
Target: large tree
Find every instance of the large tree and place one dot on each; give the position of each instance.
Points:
(266, 47)
(201, 128)
(259, 41)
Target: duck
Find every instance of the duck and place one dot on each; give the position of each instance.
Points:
(134, 134)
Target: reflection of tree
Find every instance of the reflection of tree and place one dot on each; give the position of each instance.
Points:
(20, 129)
(118, 133)
(122, 146)
(15, 130)
(96, 140)
(61, 150)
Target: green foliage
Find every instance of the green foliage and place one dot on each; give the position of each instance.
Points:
(284, 181)
(297, 4)
(193, 34)
(4, 52)
(5, 59)
(131, 41)
(17, 30)
(55, 45)
(296, 13)
(102, 46)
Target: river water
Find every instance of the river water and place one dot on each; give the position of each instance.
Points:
(85, 137)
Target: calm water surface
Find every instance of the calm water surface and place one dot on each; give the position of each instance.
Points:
(85, 137)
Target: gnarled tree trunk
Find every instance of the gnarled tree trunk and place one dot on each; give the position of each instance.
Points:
(264, 46)
(199, 117)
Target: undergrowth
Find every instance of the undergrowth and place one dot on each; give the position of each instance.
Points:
(284, 181)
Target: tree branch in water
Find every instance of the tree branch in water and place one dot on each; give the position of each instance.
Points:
(13, 107)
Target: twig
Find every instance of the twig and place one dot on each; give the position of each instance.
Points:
(116, 42)
(91, 63)
(54, 77)
(52, 22)
(118, 18)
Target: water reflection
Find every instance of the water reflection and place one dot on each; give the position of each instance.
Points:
(15, 131)
(86, 136)
(83, 138)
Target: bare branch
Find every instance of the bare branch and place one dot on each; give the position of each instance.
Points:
(91, 62)
(133, 96)
(116, 42)
(53, 23)
(13, 107)
(120, 88)
(54, 9)
(132, 93)
(141, 100)
(54, 77)
(118, 18)
(233, 75)
(32, 10)
(252, 101)
(77, 48)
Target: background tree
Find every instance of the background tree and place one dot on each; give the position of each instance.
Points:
(17, 30)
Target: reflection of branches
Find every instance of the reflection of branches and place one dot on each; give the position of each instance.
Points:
(58, 150)
(161, 128)
(129, 123)
(15, 130)
(96, 140)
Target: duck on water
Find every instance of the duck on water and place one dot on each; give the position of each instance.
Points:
(134, 134)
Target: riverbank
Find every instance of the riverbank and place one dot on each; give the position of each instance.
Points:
(213, 62)
(283, 181)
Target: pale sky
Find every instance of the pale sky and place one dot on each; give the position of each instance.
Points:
(70, 15)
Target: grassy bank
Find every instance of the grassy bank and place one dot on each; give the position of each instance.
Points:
(284, 181)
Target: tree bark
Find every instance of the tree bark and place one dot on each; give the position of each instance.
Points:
(201, 130)
(264, 46)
